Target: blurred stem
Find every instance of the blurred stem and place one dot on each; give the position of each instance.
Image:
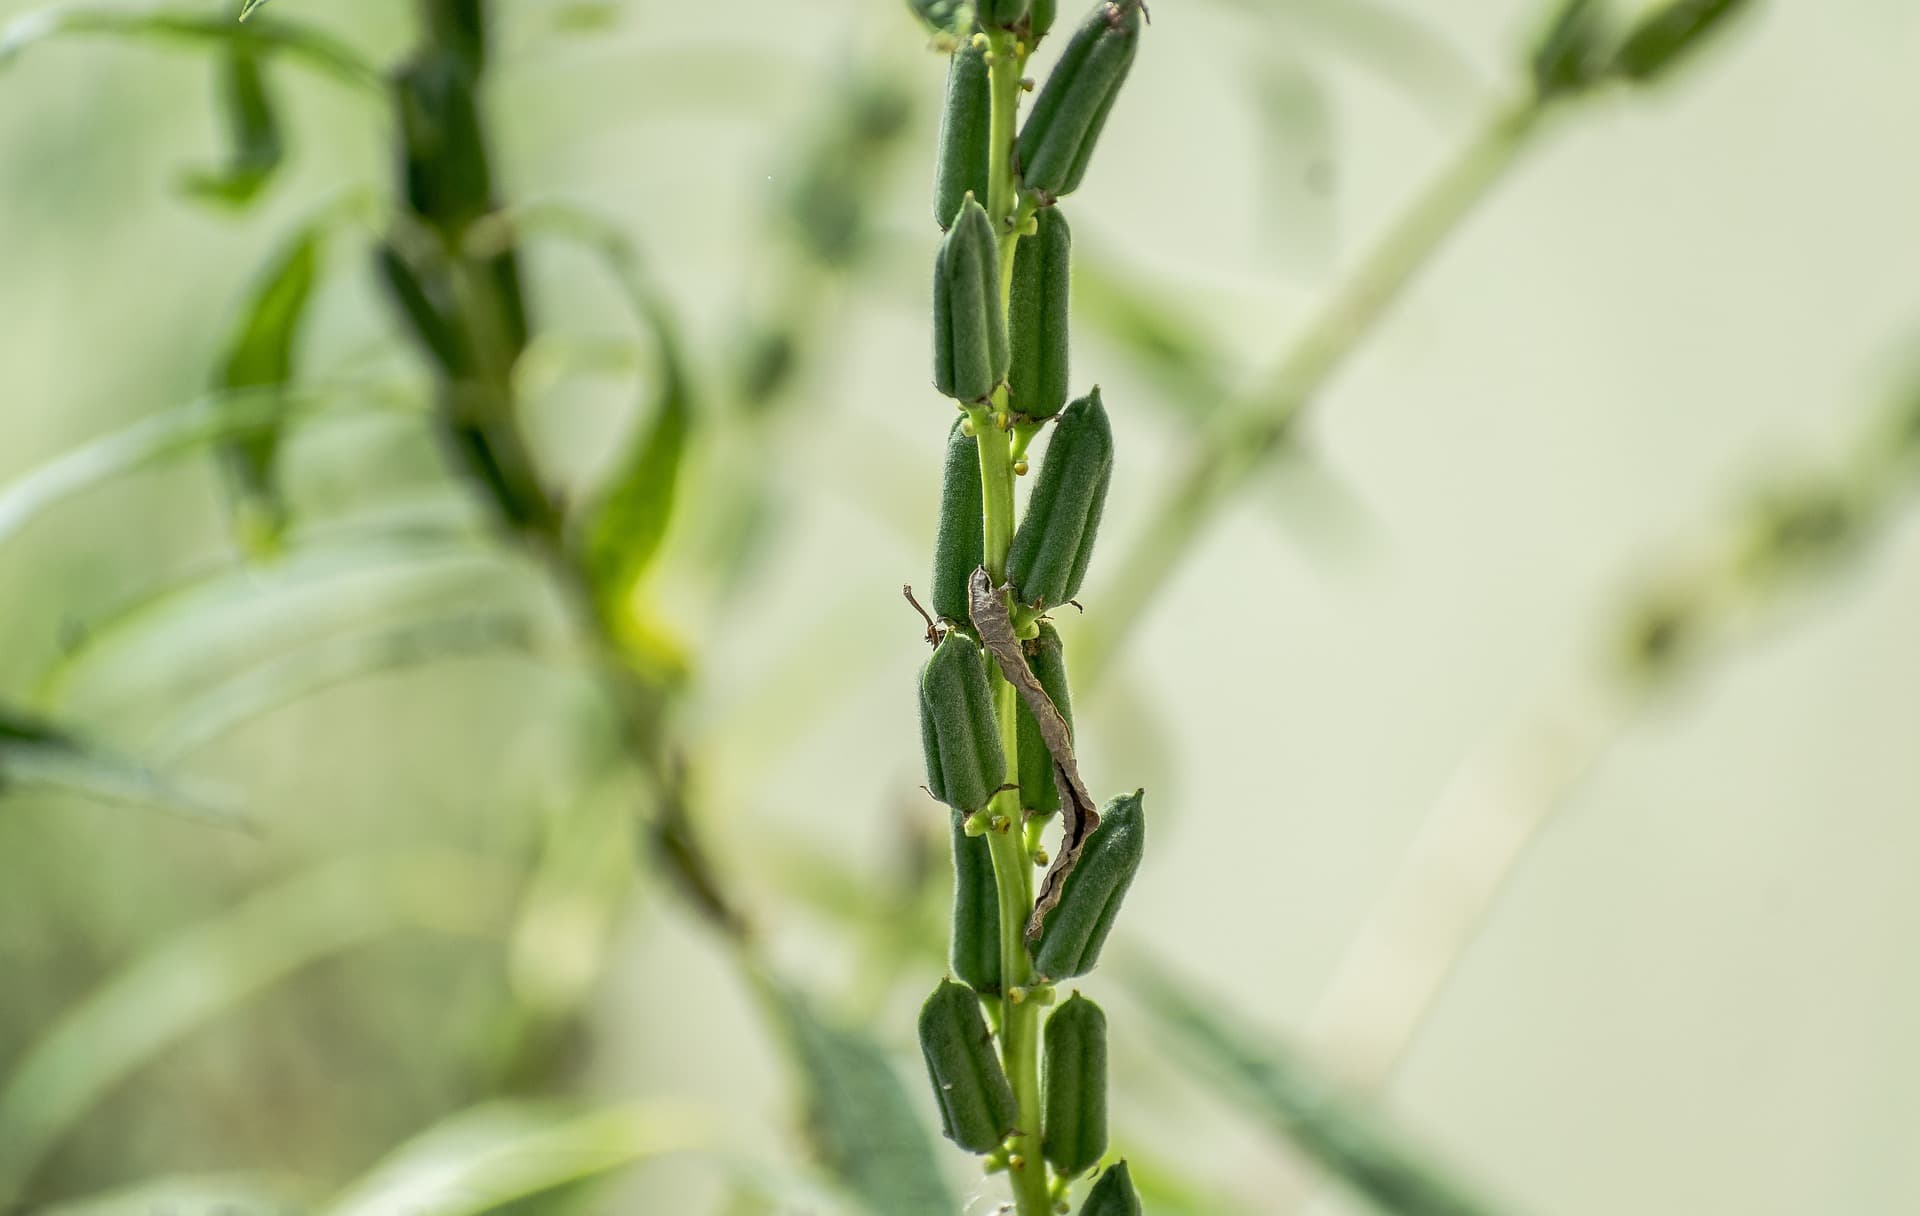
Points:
(1249, 432)
(1019, 1028)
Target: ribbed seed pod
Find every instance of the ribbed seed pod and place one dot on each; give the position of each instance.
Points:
(1058, 139)
(1037, 319)
(966, 148)
(1001, 14)
(1070, 941)
(958, 731)
(969, 330)
(1074, 1122)
(1113, 1195)
(1048, 559)
(958, 546)
(1040, 15)
(1666, 35)
(1038, 793)
(975, 954)
(977, 1107)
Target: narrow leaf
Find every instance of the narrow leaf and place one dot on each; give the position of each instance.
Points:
(492, 1155)
(864, 1127)
(317, 50)
(37, 756)
(211, 968)
(253, 127)
(232, 1194)
(1343, 1137)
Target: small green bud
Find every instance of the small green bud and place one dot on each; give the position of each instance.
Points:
(1075, 1087)
(1047, 561)
(965, 157)
(1668, 34)
(975, 952)
(969, 330)
(1040, 16)
(1037, 322)
(1113, 1195)
(958, 730)
(1073, 933)
(977, 1107)
(1570, 54)
(957, 541)
(1038, 793)
(1058, 139)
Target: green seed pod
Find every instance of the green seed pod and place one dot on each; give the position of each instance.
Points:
(1001, 14)
(1038, 793)
(1048, 559)
(1070, 940)
(969, 330)
(977, 1107)
(1040, 15)
(1058, 139)
(1037, 320)
(1665, 36)
(957, 728)
(1074, 1125)
(1568, 57)
(1113, 1195)
(975, 954)
(966, 147)
(958, 541)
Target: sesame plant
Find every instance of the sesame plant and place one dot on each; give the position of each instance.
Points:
(995, 704)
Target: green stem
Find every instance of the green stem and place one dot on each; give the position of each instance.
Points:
(1250, 432)
(1019, 1029)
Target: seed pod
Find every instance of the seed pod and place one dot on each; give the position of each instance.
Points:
(977, 1107)
(1074, 1121)
(1001, 14)
(1569, 56)
(1058, 139)
(957, 542)
(1663, 37)
(1038, 793)
(975, 954)
(957, 728)
(1048, 559)
(1037, 319)
(966, 147)
(969, 330)
(1070, 941)
(1040, 15)
(1113, 1195)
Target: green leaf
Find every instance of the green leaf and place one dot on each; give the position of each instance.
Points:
(222, 1193)
(311, 47)
(1343, 1137)
(1667, 36)
(210, 968)
(37, 756)
(252, 126)
(248, 8)
(260, 355)
(951, 17)
(175, 432)
(492, 1155)
(864, 1127)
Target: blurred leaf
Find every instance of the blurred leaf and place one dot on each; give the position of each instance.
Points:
(260, 355)
(1144, 322)
(248, 8)
(1167, 1191)
(175, 432)
(316, 49)
(252, 126)
(942, 16)
(1297, 160)
(1344, 1138)
(1404, 51)
(37, 756)
(492, 1155)
(203, 1195)
(1665, 37)
(293, 677)
(864, 1127)
(210, 968)
(1569, 54)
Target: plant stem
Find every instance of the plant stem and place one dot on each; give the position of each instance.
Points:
(1249, 432)
(1012, 861)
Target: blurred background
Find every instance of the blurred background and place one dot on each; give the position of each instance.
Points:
(458, 912)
